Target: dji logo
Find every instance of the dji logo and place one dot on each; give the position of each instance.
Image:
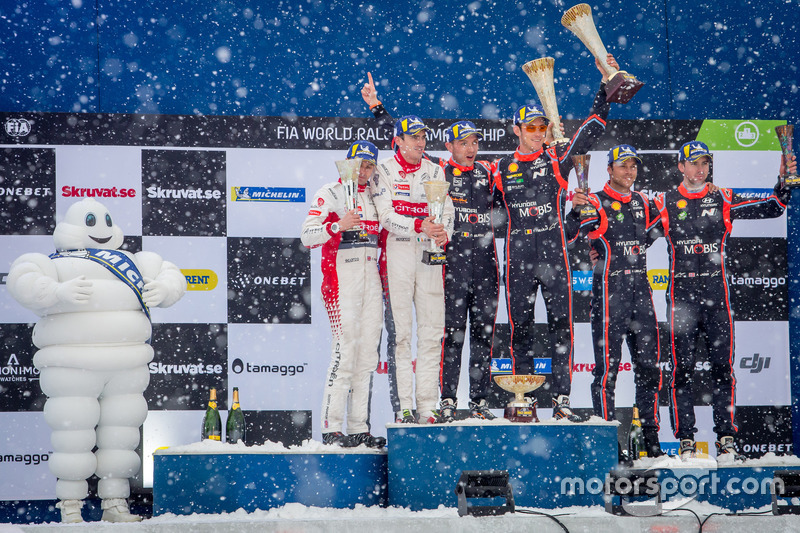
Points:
(755, 364)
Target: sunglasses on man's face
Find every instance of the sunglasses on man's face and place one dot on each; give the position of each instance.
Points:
(535, 127)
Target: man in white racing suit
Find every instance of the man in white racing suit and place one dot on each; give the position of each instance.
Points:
(402, 205)
(351, 290)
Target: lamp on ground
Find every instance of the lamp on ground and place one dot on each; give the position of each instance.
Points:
(639, 492)
(484, 484)
(785, 484)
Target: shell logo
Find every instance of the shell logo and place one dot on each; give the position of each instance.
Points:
(200, 279)
(513, 167)
(456, 172)
(681, 204)
(616, 206)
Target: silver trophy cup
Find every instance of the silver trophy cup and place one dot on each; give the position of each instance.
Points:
(581, 164)
(348, 174)
(436, 193)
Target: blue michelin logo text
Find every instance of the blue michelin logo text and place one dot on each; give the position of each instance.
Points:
(581, 280)
(543, 365)
(753, 194)
(502, 366)
(268, 194)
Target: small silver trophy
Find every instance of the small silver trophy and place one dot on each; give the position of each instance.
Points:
(436, 193)
(621, 86)
(520, 409)
(540, 72)
(348, 173)
(581, 164)
(785, 134)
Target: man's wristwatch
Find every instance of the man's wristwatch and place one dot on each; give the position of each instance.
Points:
(334, 227)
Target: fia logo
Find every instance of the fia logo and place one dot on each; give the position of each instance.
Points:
(755, 364)
(17, 127)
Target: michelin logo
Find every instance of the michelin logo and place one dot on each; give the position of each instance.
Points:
(502, 366)
(268, 194)
(753, 194)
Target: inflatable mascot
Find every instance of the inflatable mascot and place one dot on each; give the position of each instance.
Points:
(94, 301)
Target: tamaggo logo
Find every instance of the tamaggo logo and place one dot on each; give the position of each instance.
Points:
(581, 280)
(238, 366)
(502, 366)
(268, 194)
(200, 279)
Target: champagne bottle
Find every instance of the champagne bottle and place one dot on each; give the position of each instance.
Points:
(234, 427)
(635, 439)
(212, 424)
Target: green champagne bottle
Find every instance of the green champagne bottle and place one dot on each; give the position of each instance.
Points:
(212, 424)
(234, 427)
(635, 438)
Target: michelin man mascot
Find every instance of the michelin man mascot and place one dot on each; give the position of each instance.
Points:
(93, 353)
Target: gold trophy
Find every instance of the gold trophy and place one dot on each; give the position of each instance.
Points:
(520, 409)
(581, 164)
(785, 134)
(621, 86)
(436, 193)
(348, 173)
(540, 72)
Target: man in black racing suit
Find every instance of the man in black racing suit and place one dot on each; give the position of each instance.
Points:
(696, 224)
(533, 184)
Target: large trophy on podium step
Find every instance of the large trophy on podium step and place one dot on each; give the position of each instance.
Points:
(520, 409)
(621, 86)
(540, 72)
(785, 134)
(581, 164)
(436, 193)
(348, 173)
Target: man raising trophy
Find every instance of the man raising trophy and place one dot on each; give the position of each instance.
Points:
(533, 184)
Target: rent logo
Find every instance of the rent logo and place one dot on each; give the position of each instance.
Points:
(659, 277)
(200, 279)
(581, 280)
(502, 366)
(268, 194)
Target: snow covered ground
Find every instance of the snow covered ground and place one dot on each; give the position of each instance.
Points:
(296, 517)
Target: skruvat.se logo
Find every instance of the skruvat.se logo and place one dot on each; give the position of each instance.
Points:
(155, 191)
(238, 366)
(192, 369)
(15, 372)
(69, 191)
